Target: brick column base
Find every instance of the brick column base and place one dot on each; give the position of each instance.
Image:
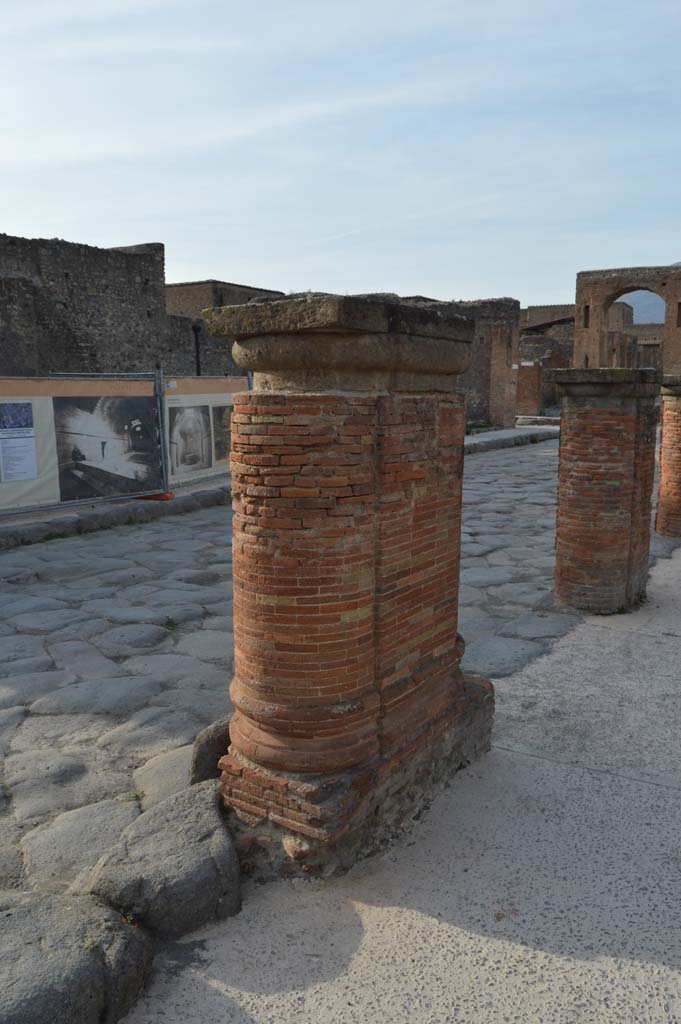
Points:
(668, 519)
(606, 470)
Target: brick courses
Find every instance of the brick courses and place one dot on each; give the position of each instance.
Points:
(606, 470)
(529, 396)
(668, 519)
(349, 696)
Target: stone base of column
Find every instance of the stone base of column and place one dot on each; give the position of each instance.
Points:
(287, 824)
(668, 517)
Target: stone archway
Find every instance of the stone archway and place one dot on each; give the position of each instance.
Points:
(598, 289)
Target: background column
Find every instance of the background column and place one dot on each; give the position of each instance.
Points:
(668, 520)
(606, 470)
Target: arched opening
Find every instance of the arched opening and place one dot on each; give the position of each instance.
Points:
(636, 320)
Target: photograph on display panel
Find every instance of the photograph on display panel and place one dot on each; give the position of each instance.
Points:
(190, 438)
(107, 446)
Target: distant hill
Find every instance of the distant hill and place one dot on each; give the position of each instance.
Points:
(648, 307)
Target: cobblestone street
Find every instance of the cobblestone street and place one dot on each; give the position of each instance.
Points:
(116, 648)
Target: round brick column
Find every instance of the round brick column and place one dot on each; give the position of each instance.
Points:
(346, 462)
(606, 470)
(668, 519)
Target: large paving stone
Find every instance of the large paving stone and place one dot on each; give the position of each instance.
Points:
(175, 868)
(204, 704)
(84, 629)
(199, 577)
(48, 782)
(17, 647)
(56, 853)
(171, 666)
(486, 576)
(15, 604)
(160, 616)
(67, 960)
(209, 746)
(149, 732)
(10, 719)
(163, 775)
(84, 659)
(195, 595)
(221, 623)
(119, 695)
(22, 666)
(499, 656)
(208, 645)
(535, 625)
(24, 689)
(75, 733)
(123, 641)
(47, 621)
(11, 862)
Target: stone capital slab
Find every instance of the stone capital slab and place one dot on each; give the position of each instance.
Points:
(358, 342)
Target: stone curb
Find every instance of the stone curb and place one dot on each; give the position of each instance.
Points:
(15, 534)
(472, 446)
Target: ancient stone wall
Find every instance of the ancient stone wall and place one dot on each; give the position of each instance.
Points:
(491, 379)
(74, 308)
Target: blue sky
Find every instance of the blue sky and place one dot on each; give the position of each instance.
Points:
(453, 149)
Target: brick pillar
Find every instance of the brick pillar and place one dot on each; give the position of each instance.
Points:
(346, 480)
(530, 378)
(668, 519)
(607, 464)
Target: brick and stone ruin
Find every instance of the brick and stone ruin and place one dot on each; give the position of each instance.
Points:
(605, 484)
(347, 466)
(73, 308)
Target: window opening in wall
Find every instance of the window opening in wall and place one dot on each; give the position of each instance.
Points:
(586, 362)
(587, 315)
(678, 314)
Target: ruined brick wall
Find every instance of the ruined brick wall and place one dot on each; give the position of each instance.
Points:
(192, 297)
(490, 381)
(529, 395)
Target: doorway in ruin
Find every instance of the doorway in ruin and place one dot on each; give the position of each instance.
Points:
(635, 332)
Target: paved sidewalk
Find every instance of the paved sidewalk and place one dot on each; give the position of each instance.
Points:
(543, 887)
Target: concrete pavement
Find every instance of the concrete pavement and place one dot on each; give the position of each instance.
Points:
(543, 886)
